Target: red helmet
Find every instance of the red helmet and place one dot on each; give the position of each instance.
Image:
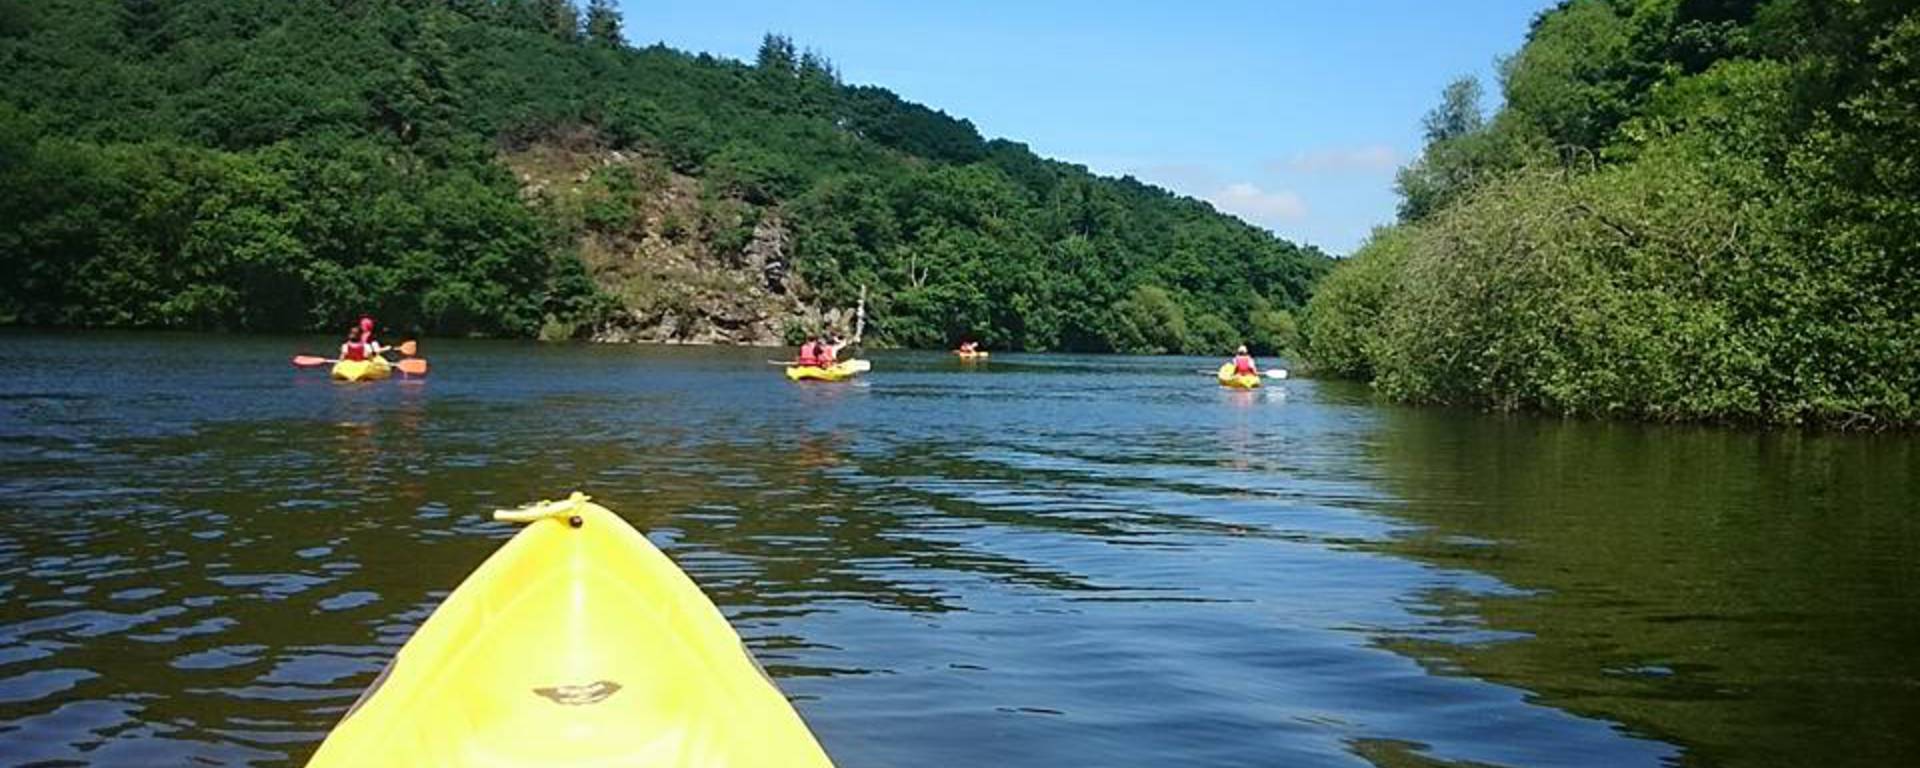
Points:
(366, 323)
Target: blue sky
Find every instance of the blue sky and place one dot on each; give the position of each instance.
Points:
(1292, 115)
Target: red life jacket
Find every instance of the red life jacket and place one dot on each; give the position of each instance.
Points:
(356, 350)
(1242, 365)
(809, 354)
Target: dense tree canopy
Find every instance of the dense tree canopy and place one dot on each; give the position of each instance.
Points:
(285, 164)
(1686, 209)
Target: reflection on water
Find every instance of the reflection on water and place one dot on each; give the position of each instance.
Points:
(1754, 596)
(1043, 561)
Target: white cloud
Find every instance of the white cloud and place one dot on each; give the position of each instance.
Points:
(1257, 205)
(1339, 160)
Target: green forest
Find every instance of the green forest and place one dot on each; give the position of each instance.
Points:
(275, 165)
(1682, 210)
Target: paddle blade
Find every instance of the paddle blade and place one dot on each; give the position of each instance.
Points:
(1276, 373)
(859, 366)
(309, 361)
(412, 366)
(407, 348)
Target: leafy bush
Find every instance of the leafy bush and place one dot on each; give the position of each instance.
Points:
(1727, 233)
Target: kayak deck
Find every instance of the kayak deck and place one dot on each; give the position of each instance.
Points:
(1243, 381)
(370, 369)
(837, 372)
(573, 645)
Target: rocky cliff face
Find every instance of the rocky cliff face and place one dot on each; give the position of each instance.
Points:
(684, 264)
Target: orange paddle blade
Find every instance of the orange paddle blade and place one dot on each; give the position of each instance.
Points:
(412, 366)
(309, 361)
(407, 348)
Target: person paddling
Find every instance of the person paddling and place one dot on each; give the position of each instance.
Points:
(809, 356)
(353, 348)
(366, 336)
(360, 344)
(830, 352)
(1243, 363)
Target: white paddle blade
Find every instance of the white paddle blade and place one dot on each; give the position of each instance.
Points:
(859, 366)
(1276, 373)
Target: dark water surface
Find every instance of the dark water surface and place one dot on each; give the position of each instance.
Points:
(1042, 561)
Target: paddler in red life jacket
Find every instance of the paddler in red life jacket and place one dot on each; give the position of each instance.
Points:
(809, 356)
(830, 353)
(353, 348)
(360, 344)
(1243, 363)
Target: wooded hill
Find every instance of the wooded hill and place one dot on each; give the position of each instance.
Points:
(289, 164)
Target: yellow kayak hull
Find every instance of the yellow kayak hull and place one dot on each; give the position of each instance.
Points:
(973, 355)
(362, 370)
(1243, 381)
(836, 372)
(577, 643)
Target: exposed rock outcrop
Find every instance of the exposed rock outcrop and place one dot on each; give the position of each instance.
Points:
(685, 265)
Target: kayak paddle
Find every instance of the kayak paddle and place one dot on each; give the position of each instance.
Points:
(412, 366)
(857, 366)
(407, 348)
(1271, 373)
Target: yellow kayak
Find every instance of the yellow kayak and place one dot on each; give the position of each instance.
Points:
(972, 355)
(836, 372)
(362, 370)
(577, 643)
(1244, 381)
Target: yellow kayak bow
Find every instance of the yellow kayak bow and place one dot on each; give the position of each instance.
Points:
(577, 643)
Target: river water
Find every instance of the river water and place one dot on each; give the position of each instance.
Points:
(1041, 561)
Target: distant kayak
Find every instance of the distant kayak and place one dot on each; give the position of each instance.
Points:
(577, 643)
(981, 355)
(836, 372)
(370, 369)
(1242, 381)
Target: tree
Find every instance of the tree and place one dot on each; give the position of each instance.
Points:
(1462, 151)
(603, 23)
(560, 18)
(777, 55)
(1151, 322)
(1458, 113)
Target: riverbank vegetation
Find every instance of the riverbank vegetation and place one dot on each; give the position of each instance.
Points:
(1684, 210)
(288, 164)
